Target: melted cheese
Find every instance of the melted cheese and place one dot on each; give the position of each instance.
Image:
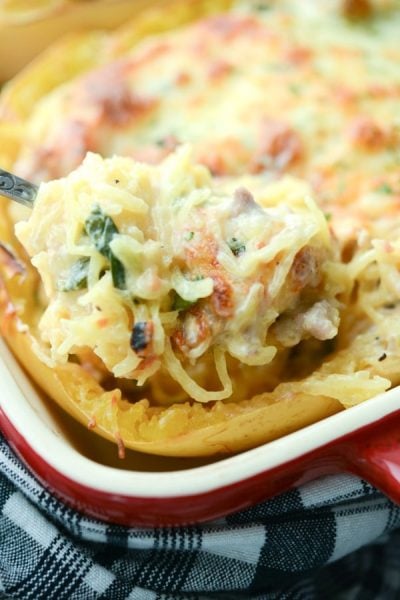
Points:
(205, 270)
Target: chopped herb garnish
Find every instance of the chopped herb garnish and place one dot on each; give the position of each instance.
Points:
(328, 216)
(77, 276)
(101, 229)
(180, 303)
(188, 236)
(236, 246)
(382, 357)
(385, 188)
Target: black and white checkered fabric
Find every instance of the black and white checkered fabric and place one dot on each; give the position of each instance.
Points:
(333, 538)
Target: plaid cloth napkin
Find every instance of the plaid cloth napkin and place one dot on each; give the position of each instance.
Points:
(333, 538)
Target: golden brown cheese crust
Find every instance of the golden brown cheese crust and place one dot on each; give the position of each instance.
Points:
(259, 92)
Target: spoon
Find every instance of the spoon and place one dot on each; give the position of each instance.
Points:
(17, 189)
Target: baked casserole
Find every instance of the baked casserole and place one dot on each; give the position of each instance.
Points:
(215, 249)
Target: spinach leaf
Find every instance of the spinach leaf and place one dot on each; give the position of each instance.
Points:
(77, 276)
(179, 303)
(101, 229)
(117, 272)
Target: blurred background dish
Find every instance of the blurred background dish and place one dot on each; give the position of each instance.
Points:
(29, 26)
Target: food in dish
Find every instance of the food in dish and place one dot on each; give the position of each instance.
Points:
(258, 96)
(155, 269)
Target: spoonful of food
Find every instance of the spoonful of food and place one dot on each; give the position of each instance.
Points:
(17, 189)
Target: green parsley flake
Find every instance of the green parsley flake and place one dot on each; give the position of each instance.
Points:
(385, 188)
(237, 247)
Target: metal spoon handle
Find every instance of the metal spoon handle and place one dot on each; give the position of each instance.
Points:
(17, 189)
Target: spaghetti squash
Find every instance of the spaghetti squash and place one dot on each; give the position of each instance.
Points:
(215, 254)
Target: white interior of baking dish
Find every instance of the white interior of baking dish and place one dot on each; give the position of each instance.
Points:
(91, 461)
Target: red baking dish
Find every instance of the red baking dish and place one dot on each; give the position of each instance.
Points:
(84, 471)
